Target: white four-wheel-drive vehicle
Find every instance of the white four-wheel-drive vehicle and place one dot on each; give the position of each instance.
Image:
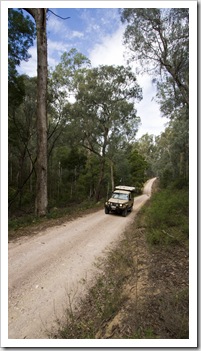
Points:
(121, 201)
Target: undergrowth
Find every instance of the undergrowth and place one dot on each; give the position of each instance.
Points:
(167, 220)
(17, 224)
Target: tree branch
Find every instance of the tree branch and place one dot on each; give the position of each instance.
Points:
(63, 18)
(32, 12)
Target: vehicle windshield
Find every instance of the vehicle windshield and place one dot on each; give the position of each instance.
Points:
(120, 196)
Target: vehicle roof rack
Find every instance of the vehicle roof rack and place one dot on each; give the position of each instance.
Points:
(124, 187)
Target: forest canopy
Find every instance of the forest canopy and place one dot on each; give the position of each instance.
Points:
(91, 139)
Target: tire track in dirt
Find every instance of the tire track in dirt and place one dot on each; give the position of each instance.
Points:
(44, 270)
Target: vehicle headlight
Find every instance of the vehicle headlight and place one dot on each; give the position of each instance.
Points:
(120, 205)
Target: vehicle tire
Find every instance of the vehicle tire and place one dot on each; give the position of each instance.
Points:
(124, 213)
(106, 210)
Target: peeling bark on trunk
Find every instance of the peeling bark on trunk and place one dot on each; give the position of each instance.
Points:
(112, 174)
(102, 164)
(39, 14)
(100, 181)
(41, 185)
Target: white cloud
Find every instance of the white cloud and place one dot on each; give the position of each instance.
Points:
(29, 67)
(55, 51)
(76, 34)
(55, 25)
(58, 46)
(109, 51)
(151, 120)
(148, 109)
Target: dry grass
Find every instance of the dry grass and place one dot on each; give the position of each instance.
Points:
(142, 288)
(141, 292)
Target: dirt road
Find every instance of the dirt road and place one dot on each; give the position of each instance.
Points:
(44, 270)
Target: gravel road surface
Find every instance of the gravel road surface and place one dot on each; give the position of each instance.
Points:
(44, 270)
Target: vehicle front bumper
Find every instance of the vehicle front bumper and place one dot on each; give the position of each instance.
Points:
(114, 207)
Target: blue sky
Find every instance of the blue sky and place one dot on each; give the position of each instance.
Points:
(98, 34)
(84, 28)
(95, 29)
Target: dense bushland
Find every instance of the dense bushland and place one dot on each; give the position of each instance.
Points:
(167, 219)
(91, 142)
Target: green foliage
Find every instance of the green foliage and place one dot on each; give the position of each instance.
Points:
(21, 34)
(158, 39)
(24, 220)
(61, 79)
(147, 149)
(22, 144)
(122, 167)
(104, 114)
(138, 168)
(167, 217)
(19, 222)
(171, 156)
(90, 140)
(16, 92)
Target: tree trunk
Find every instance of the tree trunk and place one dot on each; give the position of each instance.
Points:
(102, 164)
(41, 183)
(39, 14)
(101, 177)
(112, 174)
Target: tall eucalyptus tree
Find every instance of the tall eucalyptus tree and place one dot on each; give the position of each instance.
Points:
(39, 15)
(105, 111)
(159, 40)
